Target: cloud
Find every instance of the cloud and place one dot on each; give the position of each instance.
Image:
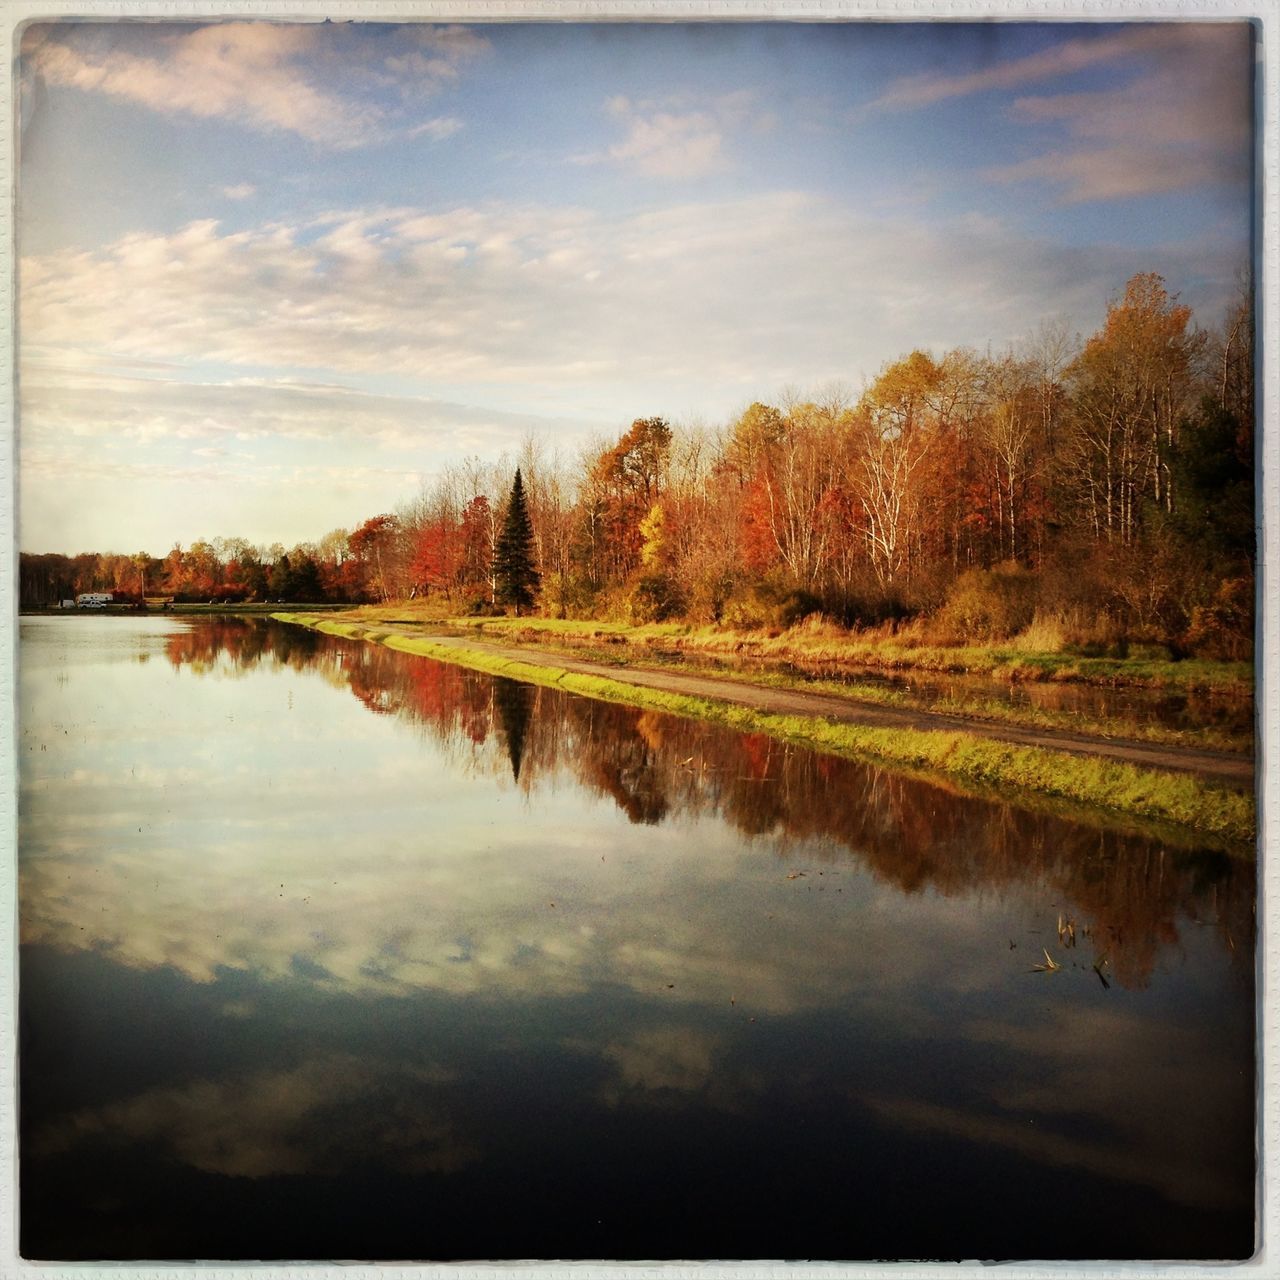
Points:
(1184, 125)
(71, 407)
(677, 137)
(1067, 58)
(319, 82)
(241, 191)
(307, 1119)
(1179, 118)
(716, 299)
(664, 145)
(437, 129)
(1118, 173)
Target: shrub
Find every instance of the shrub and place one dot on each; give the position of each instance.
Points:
(708, 596)
(655, 599)
(1223, 629)
(990, 604)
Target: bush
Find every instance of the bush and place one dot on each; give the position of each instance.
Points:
(708, 596)
(1223, 629)
(990, 604)
(871, 607)
(655, 599)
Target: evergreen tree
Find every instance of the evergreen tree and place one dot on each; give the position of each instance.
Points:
(513, 567)
(280, 580)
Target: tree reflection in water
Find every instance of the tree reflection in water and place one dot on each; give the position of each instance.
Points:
(1128, 895)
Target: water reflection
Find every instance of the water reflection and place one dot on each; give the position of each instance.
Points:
(1128, 897)
(492, 935)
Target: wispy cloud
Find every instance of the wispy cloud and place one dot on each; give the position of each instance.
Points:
(240, 191)
(1067, 58)
(437, 129)
(1178, 118)
(64, 409)
(677, 137)
(1185, 123)
(310, 80)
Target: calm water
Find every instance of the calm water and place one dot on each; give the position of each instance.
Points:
(330, 952)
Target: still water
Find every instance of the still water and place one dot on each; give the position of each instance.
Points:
(331, 952)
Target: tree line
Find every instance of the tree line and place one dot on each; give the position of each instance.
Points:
(1104, 486)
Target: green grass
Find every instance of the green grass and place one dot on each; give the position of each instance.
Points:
(1166, 799)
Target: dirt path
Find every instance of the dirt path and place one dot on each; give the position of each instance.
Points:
(1217, 765)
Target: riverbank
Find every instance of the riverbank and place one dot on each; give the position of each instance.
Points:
(1214, 799)
(823, 645)
(1105, 698)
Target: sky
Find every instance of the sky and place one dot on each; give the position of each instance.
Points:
(274, 277)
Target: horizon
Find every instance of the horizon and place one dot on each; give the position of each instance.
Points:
(274, 277)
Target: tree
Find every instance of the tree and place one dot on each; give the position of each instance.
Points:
(622, 484)
(280, 579)
(475, 549)
(1130, 387)
(371, 544)
(513, 561)
(435, 556)
(898, 428)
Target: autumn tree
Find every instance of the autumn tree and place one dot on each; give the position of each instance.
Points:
(1129, 389)
(373, 546)
(622, 484)
(434, 563)
(893, 444)
(1007, 446)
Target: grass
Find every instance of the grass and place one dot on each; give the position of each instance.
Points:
(806, 648)
(1009, 661)
(1166, 799)
(991, 710)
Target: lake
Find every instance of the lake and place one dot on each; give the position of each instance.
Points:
(332, 952)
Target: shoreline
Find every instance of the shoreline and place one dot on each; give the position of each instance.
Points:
(1213, 799)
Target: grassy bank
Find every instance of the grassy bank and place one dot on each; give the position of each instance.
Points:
(800, 661)
(827, 646)
(823, 644)
(1150, 795)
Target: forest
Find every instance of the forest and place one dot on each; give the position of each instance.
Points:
(1094, 491)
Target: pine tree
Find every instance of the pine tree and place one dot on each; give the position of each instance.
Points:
(513, 567)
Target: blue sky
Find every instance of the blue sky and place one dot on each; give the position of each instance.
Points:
(274, 276)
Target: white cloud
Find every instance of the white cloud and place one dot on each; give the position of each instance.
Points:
(664, 145)
(750, 293)
(306, 79)
(241, 191)
(677, 137)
